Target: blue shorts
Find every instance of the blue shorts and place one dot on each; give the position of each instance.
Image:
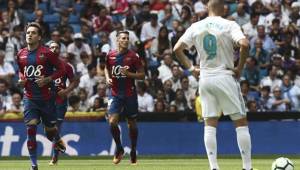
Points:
(127, 106)
(61, 110)
(42, 110)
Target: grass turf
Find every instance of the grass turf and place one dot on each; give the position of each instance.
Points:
(144, 163)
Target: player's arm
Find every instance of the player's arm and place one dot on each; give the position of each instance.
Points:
(178, 49)
(244, 53)
(22, 79)
(59, 72)
(74, 82)
(139, 74)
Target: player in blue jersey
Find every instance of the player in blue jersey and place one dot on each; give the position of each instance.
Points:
(38, 68)
(123, 66)
(62, 94)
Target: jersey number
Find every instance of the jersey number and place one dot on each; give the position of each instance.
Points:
(210, 46)
(31, 70)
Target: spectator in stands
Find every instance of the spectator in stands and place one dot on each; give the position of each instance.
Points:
(186, 16)
(161, 97)
(293, 30)
(90, 81)
(102, 22)
(143, 16)
(61, 6)
(278, 103)
(262, 57)
(180, 101)
(277, 61)
(250, 27)
(287, 49)
(200, 9)
(83, 102)
(276, 13)
(160, 44)
(294, 15)
(5, 95)
(165, 17)
(101, 93)
(154, 83)
(145, 100)
(63, 20)
(276, 33)
(165, 69)
(39, 14)
(150, 29)
(120, 9)
(286, 8)
(189, 93)
(169, 92)
(55, 36)
(16, 107)
(13, 43)
(252, 106)
(179, 32)
(159, 106)
(176, 75)
(268, 43)
(258, 8)
(66, 37)
(264, 100)
(74, 103)
(6, 69)
(291, 92)
(14, 15)
(251, 73)
(271, 80)
(173, 108)
(81, 67)
(246, 93)
(78, 47)
(98, 105)
(241, 16)
(86, 32)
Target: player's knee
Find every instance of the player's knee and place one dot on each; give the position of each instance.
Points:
(241, 122)
(51, 132)
(32, 122)
(113, 121)
(131, 123)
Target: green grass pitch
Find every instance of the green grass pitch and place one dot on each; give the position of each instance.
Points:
(144, 163)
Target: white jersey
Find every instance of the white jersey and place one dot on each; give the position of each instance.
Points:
(214, 38)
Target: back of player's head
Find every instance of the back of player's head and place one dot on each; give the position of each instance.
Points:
(36, 25)
(216, 5)
(122, 32)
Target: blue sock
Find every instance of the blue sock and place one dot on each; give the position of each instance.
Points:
(31, 144)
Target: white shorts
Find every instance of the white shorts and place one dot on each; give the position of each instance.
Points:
(221, 94)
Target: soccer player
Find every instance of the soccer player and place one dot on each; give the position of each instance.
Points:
(214, 38)
(38, 67)
(123, 66)
(61, 102)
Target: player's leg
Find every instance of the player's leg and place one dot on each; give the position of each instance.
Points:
(31, 119)
(210, 110)
(131, 110)
(60, 111)
(233, 104)
(49, 119)
(114, 109)
(243, 139)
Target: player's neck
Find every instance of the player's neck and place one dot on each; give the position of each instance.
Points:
(32, 47)
(122, 50)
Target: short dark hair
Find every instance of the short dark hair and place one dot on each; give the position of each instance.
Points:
(122, 32)
(36, 25)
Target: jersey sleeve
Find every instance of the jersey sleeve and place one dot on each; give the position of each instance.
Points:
(187, 37)
(69, 71)
(21, 75)
(236, 32)
(138, 62)
(58, 64)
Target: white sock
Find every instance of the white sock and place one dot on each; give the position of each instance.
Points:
(244, 142)
(210, 141)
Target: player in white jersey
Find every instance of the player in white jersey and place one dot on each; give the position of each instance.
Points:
(214, 39)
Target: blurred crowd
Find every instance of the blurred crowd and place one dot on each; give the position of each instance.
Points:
(86, 31)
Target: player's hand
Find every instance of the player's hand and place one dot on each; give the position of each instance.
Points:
(42, 81)
(109, 82)
(237, 73)
(124, 71)
(62, 93)
(21, 82)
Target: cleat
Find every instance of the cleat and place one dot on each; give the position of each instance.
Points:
(118, 156)
(133, 160)
(34, 168)
(53, 162)
(60, 146)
